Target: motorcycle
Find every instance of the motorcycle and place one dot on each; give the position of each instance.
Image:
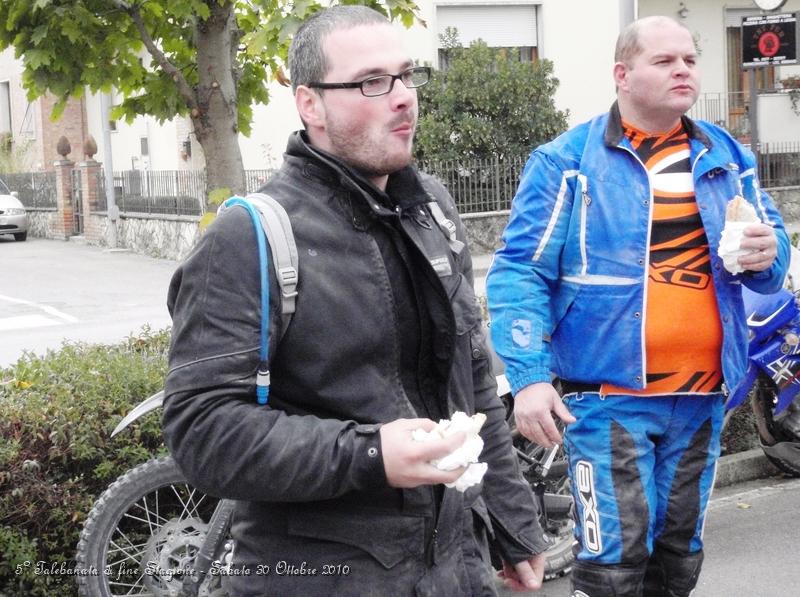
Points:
(772, 381)
(152, 533)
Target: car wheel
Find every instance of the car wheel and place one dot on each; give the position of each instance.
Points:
(21, 236)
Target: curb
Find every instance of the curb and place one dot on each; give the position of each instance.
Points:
(743, 466)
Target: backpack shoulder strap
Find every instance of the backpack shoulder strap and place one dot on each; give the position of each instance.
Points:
(269, 218)
(278, 230)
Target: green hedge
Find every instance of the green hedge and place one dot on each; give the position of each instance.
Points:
(56, 455)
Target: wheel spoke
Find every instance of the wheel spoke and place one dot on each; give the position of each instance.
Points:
(164, 521)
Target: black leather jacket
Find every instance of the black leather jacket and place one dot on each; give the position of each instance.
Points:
(309, 465)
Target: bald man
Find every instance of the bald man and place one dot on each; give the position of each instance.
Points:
(609, 280)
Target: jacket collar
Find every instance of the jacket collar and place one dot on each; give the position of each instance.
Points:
(403, 189)
(613, 134)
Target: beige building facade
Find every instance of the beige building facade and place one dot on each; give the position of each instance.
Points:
(577, 36)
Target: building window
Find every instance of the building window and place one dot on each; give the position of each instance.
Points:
(525, 54)
(27, 128)
(5, 107)
(145, 149)
(511, 27)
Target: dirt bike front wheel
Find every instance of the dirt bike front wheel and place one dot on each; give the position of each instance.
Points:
(143, 534)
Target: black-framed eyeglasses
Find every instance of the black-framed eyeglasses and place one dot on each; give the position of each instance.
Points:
(413, 77)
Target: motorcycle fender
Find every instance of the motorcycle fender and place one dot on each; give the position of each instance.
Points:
(155, 401)
(786, 397)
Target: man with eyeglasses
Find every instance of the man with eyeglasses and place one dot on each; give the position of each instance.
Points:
(335, 495)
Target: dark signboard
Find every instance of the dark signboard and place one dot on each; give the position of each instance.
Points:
(770, 40)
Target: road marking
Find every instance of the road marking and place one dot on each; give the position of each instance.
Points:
(46, 308)
(26, 321)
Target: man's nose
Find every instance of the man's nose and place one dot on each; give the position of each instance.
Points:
(402, 96)
(682, 69)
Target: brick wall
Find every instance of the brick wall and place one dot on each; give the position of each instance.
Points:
(72, 125)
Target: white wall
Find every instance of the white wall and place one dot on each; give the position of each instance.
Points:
(579, 38)
(11, 72)
(272, 125)
(164, 141)
(776, 121)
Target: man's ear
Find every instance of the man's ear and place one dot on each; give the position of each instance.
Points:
(620, 74)
(309, 106)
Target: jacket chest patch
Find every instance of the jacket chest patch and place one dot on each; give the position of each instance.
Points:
(441, 266)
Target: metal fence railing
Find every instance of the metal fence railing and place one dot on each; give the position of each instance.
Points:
(479, 185)
(476, 185)
(255, 179)
(175, 192)
(34, 189)
(728, 110)
(779, 164)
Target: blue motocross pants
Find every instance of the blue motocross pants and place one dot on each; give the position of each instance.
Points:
(642, 470)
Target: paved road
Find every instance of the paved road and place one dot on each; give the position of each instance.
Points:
(55, 290)
(751, 543)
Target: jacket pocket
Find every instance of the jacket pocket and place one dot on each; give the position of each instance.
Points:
(389, 538)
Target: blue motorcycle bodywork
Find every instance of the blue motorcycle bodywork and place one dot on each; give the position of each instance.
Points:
(770, 318)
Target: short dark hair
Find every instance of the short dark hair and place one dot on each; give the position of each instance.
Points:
(307, 61)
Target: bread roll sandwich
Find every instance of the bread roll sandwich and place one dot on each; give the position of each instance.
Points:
(739, 210)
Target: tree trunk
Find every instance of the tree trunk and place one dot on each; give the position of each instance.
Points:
(215, 119)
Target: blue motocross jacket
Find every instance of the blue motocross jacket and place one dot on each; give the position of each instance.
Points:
(567, 292)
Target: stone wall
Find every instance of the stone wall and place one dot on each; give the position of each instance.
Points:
(788, 201)
(161, 236)
(484, 230)
(42, 221)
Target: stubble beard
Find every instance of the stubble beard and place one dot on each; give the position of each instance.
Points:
(366, 152)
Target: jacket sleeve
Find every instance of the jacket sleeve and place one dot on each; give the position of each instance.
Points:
(770, 280)
(224, 441)
(509, 499)
(525, 271)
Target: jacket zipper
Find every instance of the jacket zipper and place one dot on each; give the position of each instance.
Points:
(643, 317)
(585, 201)
(741, 190)
(432, 534)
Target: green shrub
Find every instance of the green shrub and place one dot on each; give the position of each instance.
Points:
(56, 456)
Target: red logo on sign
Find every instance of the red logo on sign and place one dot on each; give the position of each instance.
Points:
(769, 44)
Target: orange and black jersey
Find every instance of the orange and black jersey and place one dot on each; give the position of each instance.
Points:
(683, 332)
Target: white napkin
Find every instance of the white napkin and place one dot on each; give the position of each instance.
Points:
(730, 243)
(466, 455)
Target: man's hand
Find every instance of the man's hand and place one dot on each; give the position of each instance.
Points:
(761, 239)
(524, 576)
(533, 406)
(406, 461)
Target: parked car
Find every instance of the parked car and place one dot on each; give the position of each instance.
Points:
(13, 217)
